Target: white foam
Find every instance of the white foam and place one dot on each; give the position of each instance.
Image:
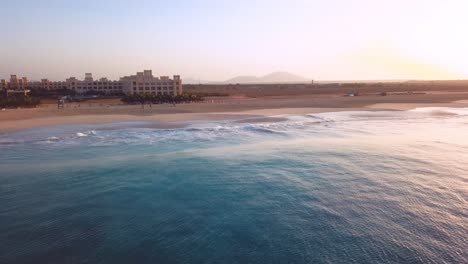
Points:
(317, 125)
(440, 110)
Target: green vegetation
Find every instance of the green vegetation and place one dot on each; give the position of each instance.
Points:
(161, 99)
(14, 101)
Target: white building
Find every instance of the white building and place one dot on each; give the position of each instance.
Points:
(145, 83)
(15, 83)
(102, 85)
(3, 84)
(141, 83)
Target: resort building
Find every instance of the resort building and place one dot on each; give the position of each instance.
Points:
(48, 85)
(145, 83)
(141, 83)
(15, 83)
(15, 86)
(103, 85)
(3, 84)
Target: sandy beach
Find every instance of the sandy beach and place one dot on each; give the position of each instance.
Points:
(219, 108)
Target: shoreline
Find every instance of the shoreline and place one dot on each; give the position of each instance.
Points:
(257, 110)
(159, 120)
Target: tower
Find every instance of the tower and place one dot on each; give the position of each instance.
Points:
(88, 77)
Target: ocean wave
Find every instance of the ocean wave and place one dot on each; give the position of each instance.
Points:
(261, 129)
(319, 119)
(441, 111)
(342, 124)
(53, 139)
(85, 134)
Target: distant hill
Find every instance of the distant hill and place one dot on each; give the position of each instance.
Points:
(275, 77)
(195, 81)
(243, 79)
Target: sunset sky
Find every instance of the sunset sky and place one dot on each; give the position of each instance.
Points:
(217, 40)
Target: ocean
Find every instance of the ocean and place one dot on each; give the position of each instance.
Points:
(339, 187)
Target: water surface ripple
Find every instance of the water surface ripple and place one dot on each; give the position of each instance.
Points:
(347, 187)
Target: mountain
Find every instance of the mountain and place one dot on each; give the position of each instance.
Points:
(275, 77)
(283, 77)
(243, 79)
(195, 81)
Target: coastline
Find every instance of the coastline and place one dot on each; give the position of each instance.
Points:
(240, 110)
(160, 120)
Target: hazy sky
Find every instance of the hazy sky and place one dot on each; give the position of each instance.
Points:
(216, 40)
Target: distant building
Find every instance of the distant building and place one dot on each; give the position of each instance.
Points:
(145, 83)
(16, 83)
(141, 83)
(102, 85)
(48, 85)
(3, 84)
(88, 77)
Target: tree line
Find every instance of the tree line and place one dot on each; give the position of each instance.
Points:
(34, 98)
(19, 100)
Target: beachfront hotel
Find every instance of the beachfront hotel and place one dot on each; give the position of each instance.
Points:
(141, 83)
(103, 85)
(145, 83)
(15, 83)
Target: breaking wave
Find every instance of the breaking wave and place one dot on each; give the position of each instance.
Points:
(330, 124)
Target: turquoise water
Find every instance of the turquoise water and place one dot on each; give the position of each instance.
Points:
(347, 187)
